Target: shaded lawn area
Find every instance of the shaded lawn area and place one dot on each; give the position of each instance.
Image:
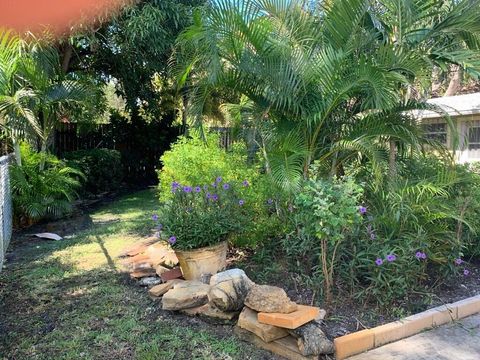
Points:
(71, 299)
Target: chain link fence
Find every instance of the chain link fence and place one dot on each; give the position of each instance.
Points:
(5, 207)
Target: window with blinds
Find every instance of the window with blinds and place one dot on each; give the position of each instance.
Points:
(436, 132)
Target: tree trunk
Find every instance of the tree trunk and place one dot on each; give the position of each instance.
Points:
(392, 166)
(455, 81)
(67, 55)
(18, 155)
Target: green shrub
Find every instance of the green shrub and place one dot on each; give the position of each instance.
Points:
(42, 193)
(194, 162)
(325, 214)
(102, 168)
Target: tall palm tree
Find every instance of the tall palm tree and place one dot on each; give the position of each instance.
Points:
(332, 78)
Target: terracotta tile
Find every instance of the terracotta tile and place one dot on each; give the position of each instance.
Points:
(444, 314)
(159, 290)
(293, 320)
(354, 343)
(175, 273)
(467, 307)
(419, 322)
(387, 333)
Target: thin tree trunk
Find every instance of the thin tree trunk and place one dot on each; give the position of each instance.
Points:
(67, 55)
(455, 81)
(392, 166)
(16, 150)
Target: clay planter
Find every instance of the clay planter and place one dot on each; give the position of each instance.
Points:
(207, 260)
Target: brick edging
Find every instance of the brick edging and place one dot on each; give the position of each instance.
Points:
(367, 339)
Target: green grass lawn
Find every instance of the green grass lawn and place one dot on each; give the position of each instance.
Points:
(71, 299)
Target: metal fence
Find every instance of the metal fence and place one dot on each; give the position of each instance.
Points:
(5, 207)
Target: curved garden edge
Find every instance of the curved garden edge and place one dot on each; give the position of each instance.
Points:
(361, 341)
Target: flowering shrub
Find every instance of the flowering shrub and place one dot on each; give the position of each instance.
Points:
(204, 214)
(192, 161)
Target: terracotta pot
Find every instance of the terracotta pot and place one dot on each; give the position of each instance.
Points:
(207, 260)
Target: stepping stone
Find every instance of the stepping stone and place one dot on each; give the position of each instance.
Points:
(141, 273)
(285, 347)
(159, 290)
(175, 273)
(293, 320)
(248, 321)
(185, 297)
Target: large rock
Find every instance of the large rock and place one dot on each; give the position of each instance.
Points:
(185, 296)
(229, 290)
(269, 299)
(311, 339)
(248, 321)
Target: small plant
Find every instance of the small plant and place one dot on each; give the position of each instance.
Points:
(203, 215)
(325, 213)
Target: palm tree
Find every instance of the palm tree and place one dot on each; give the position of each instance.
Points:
(34, 91)
(333, 79)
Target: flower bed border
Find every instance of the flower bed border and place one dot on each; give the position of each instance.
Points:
(368, 339)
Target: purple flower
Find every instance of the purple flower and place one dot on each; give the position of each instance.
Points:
(241, 202)
(155, 217)
(466, 272)
(270, 201)
(218, 180)
(214, 185)
(172, 240)
(214, 197)
(187, 189)
(209, 196)
(391, 258)
(420, 255)
(245, 183)
(379, 261)
(226, 186)
(197, 189)
(159, 226)
(362, 210)
(175, 185)
(458, 261)
(205, 187)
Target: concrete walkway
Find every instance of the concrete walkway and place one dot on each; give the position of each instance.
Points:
(457, 341)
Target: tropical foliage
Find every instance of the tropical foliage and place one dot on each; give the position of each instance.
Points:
(43, 187)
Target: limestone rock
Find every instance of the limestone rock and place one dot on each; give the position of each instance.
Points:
(210, 311)
(248, 321)
(312, 340)
(159, 290)
(269, 299)
(149, 281)
(189, 296)
(141, 273)
(229, 289)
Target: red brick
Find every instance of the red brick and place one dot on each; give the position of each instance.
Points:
(175, 273)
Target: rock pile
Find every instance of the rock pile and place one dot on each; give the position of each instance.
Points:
(266, 315)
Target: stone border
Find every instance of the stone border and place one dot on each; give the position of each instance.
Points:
(368, 339)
